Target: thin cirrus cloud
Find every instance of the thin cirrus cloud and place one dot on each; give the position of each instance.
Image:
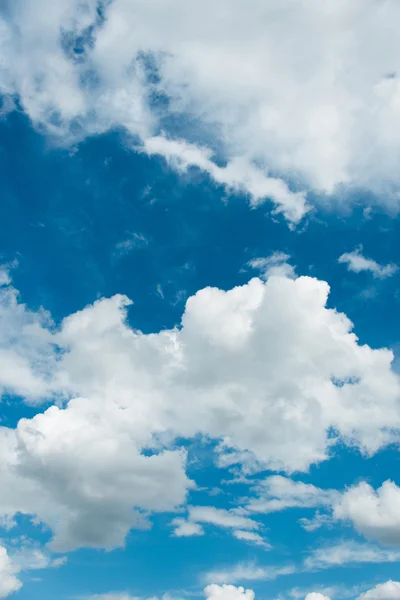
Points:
(293, 93)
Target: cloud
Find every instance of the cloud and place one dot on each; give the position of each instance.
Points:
(252, 537)
(374, 513)
(384, 591)
(249, 572)
(276, 493)
(227, 592)
(9, 583)
(28, 557)
(276, 264)
(357, 263)
(265, 370)
(239, 175)
(269, 98)
(316, 596)
(221, 518)
(240, 525)
(80, 471)
(185, 528)
(345, 553)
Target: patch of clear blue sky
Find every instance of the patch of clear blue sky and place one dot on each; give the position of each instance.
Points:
(65, 215)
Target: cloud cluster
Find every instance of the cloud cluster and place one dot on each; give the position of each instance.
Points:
(241, 526)
(265, 369)
(297, 91)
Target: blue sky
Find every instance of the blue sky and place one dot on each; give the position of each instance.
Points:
(187, 408)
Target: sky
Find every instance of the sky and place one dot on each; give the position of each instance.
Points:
(199, 296)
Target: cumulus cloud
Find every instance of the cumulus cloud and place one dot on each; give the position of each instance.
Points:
(357, 263)
(265, 369)
(384, 591)
(227, 592)
(296, 91)
(374, 513)
(9, 582)
(316, 596)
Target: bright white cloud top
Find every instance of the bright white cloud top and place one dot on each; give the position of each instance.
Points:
(266, 369)
(295, 90)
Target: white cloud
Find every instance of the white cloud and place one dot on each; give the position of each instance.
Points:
(316, 596)
(384, 591)
(276, 264)
(249, 572)
(9, 583)
(374, 514)
(277, 493)
(185, 528)
(227, 592)
(357, 263)
(252, 537)
(299, 90)
(29, 557)
(238, 175)
(80, 471)
(242, 526)
(265, 369)
(317, 521)
(221, 517)
(345, 553)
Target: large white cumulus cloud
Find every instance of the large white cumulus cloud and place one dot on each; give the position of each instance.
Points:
(265, 369)
(307, 90)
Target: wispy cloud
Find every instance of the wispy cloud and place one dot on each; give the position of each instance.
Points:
(357, 262)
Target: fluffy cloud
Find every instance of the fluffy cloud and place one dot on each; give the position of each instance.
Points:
(316, 596)
(80, 471)
(374, 514)
(357, 263)
(265, 368)
(227, 592)
(385, 591)
(9, 582)
(297, 90)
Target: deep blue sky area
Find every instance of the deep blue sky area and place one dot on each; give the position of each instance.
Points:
(66, 213)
